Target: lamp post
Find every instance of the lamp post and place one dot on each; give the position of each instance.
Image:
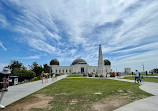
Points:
(143, 69)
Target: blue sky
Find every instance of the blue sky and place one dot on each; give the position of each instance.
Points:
(41, 30)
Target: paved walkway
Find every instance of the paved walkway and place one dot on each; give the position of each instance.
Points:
(20, 91)
(147, 104)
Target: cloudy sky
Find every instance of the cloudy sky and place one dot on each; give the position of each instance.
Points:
(41, 30)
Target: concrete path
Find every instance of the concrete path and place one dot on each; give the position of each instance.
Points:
(147, 104)
(20, 91)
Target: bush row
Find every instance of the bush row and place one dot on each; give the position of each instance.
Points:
(96, 75)
(23, 74)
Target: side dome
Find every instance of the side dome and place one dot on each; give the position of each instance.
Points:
(79, 61)
(107, 62)
(54, 62)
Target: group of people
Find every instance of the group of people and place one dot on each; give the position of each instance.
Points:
(4, 82)
(44, 76)
(138, 78)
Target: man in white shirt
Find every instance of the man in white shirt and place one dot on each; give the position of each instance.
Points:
(137, 76)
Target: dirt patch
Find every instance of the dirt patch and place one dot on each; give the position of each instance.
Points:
(38, 101)
(62, 94)
(74, 101)
(109, 104)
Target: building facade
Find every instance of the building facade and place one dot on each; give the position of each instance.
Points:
(81, 66)
(128, 70)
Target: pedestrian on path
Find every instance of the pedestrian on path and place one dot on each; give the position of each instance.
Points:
(137, 76)
(52, 77)
(42, 76)
(46, 77)
(4, 82)
(142, 78)
(55, 76)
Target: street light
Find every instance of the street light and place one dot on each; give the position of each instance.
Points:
(143, 69)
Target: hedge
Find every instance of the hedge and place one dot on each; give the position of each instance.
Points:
(23, 74)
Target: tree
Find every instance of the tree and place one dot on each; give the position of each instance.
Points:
(36, 68)
(46, 68)
(15, 65)
(23, 74)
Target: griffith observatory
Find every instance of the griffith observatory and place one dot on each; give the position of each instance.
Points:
(81, 66)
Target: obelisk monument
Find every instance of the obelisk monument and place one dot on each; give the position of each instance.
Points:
(100, 70)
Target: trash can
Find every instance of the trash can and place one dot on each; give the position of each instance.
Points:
(14, 80)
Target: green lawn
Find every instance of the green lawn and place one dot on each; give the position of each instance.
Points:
(83, 91)
(148, 79)
(140, 74)
(77, 94)
(75, 76)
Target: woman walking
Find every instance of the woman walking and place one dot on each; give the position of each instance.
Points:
(46, 77)
(42, 76)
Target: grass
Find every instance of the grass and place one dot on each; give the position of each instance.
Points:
(75, 76)
(148, 79)
(140, 74)
(82, 91)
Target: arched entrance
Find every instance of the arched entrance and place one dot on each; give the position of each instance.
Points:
(82, 69)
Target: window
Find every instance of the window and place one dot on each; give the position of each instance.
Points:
(63, 71)
(69, 70)
(56, 71)
(66, 70)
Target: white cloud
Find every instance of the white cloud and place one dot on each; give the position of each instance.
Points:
(1, 45)
(74, 29)
(3, 21)
(150, 46)
(41, 45)
(30, 57)
(135, 61)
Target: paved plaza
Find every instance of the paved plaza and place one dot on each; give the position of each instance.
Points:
(20, 91)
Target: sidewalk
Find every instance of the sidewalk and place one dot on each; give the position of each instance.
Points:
(20, 91)
(146, 104)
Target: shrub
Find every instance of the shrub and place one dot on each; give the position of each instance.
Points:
(85, 74)
(36, 78)
(101, 76)
(96, 75)
(57, 74)
(112, 74)
(23, 74)
(90, 75)
(51, 74)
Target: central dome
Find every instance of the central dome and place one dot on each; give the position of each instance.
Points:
(54, 62)
(79, 61)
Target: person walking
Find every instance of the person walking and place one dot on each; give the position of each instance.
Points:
(46, 77)
(52, 77)
(55, 76)
(4, 82)
(142, 78)
(42, 76)
(137, 76)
